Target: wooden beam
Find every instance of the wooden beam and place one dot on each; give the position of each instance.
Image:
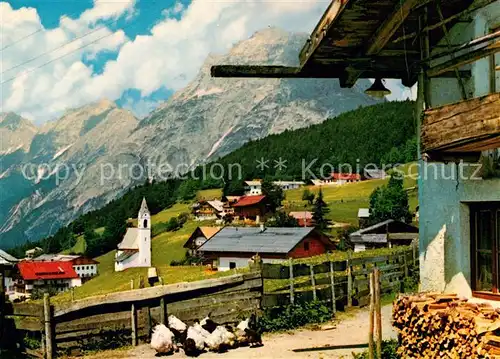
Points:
(448, 42)
(473, 43)
(254, 71)
(139, 295)
(471, 125)
(319, 33)
(384, 33)
(465, 59)
(451, 157)
(463, 14)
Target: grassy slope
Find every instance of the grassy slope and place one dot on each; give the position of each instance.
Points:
(169, 245)
(344, 201)
(165, 247)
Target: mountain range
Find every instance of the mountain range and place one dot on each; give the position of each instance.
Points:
(52, 173)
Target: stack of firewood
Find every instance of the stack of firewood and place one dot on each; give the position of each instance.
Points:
(433, 325)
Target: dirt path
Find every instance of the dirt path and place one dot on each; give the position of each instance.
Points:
(353, 329)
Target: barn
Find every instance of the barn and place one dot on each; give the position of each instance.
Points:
(233, 247)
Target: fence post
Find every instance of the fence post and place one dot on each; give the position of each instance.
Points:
(149, 323)
(292, 299)
(371, 318)
(405, 264)
(133, 319)
(332, 282)
(313, 281)
(49, 340)
(414, 251)
(378, 311)
(349, 280)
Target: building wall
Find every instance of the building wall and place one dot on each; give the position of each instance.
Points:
(131, 262)
(316, 247)
(85, 270)
(241, 262)
(444, 212)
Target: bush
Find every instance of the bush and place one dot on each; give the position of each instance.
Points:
(38, 293)
(294, 316)
(187, 260)
(389, 351)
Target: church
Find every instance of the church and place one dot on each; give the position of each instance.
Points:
(135, 249)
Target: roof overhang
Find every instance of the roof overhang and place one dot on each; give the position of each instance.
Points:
(367, 39)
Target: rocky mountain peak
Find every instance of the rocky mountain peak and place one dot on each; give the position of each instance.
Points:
(208, 118)
(13, 122)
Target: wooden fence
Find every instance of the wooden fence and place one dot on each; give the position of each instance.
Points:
(132, 314)
(337, 282)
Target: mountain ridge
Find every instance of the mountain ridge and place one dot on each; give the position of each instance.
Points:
(207, 119)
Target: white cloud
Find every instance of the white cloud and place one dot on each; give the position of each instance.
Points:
(170, 55)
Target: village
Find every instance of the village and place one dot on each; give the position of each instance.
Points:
(238, 233)
(362, 265)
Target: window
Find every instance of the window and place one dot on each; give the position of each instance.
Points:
(306, 246)
(485, 251)
(145, 223)
(232, 265)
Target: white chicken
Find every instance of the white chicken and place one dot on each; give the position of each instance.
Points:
(220, 340)
(162, 340)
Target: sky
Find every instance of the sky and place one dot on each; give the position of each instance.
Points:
(61, 54)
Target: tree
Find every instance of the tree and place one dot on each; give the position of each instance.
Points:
(390, 202)
(320, 211)
(233, 188)
(308, 196)
(282, 219)
(273, 193)
(188, 189)
(343, 236)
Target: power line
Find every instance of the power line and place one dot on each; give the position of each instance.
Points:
(57, 58)
(150, 3)
(58, 21)
(55, 49)
(69, 53)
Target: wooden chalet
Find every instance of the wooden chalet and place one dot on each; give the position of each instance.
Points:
(200, 236)
(250, 208)
(207, 210)
(450, 50)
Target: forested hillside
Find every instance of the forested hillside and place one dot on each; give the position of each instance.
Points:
(380, 134)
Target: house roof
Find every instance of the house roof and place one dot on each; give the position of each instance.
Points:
(403, 227)
(33, 250)
(346, 176)
(375, 174)
(254, 240)
(253, 183)
(363, 213)
(130, 239)
(30, 270)
(55, 257)
(205, 231)
(284, 183)
(84, 260)
(127, 253)
(364, 39)
(6, 258)
(301, 215)
(217, 205)
(248, 201)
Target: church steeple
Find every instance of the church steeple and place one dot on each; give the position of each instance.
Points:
(143, 219)
(144, 206)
